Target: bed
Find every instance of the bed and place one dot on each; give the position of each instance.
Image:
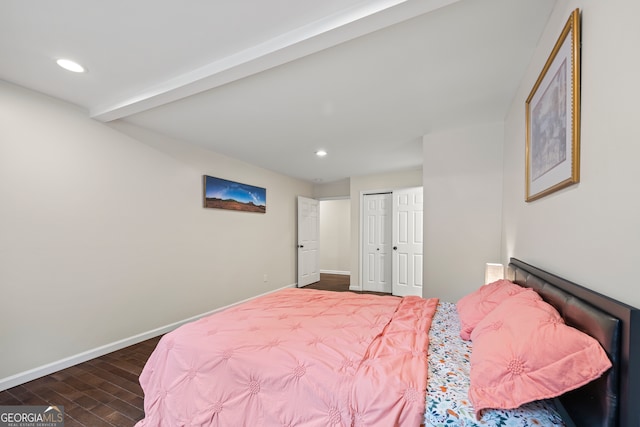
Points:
(613, 399)
(301, 357)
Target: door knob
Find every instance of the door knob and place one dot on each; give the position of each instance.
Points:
(395, 248)
(301, 246)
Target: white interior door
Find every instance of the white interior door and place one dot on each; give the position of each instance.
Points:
(308, 241)
(407, 242)
(376, 266)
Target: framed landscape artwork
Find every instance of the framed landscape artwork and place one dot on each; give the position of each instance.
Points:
(223, 194)
(553, 118)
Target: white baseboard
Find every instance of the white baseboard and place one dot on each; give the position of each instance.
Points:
(32, 374)
(355, 288)
(345, 273)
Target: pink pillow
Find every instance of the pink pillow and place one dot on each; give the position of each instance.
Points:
(523, 351)
(473, 307)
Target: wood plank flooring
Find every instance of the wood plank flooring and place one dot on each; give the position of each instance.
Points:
(104, 392)
(337, 283)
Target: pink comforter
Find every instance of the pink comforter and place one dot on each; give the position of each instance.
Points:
(297, 357)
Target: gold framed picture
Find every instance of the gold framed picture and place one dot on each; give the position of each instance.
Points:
(553, 118)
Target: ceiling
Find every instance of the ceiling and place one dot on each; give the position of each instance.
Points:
(271, 82)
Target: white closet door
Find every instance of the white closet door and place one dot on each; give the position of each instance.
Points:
(376, 266)
(407, 242)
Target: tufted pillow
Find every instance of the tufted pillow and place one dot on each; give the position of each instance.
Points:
(523, 351)
(473, 307)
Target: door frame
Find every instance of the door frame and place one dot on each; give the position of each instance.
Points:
(329, 199)
(319, 200)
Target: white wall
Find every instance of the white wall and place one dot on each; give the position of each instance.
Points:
(590, 232)
(388, 181)
(330, 190)
(334, 236)
(103, 237)
(462, 179)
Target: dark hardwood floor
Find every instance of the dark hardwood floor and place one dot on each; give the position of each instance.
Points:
(337, 283)
(101, 392)
(105, 391)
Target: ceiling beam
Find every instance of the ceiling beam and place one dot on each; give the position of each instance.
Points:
(364, 18)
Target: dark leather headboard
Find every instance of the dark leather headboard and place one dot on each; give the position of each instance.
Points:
(613, 399)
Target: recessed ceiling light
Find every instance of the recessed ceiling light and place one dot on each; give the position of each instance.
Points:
(70, 65)
(321, 153)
